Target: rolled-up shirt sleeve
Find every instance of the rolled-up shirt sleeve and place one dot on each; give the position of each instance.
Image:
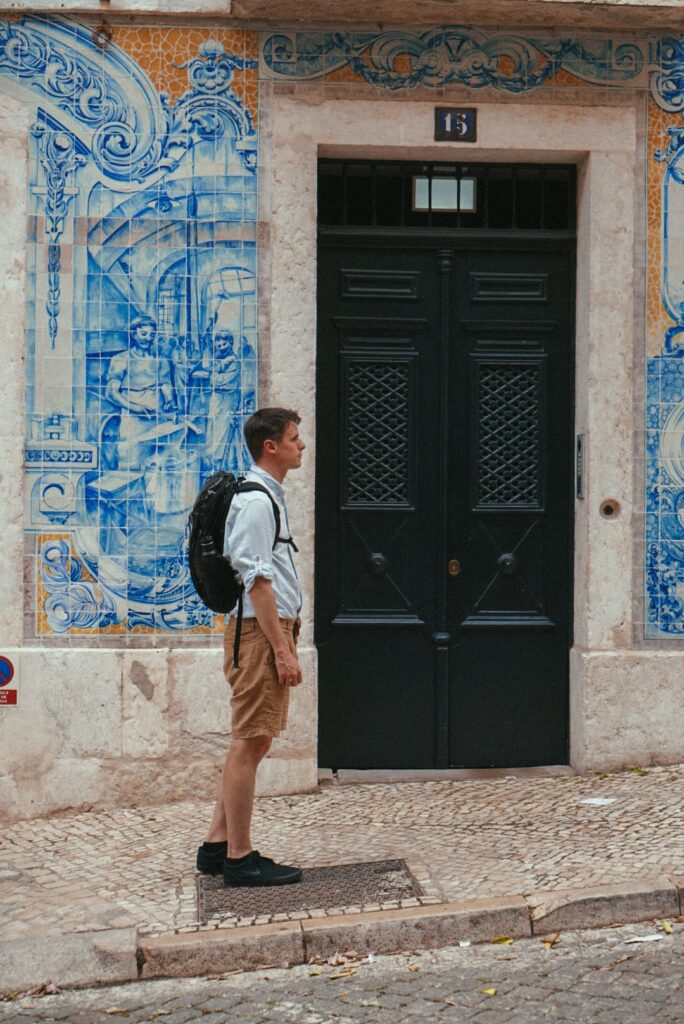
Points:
(249, 544)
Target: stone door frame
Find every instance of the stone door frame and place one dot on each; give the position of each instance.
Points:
(607, 144)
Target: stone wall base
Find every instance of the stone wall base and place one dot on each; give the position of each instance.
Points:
(626, 708)
(96, 729)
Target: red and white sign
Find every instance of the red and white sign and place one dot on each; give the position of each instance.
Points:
(8, 674)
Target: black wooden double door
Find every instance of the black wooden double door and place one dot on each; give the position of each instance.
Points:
(444, 459)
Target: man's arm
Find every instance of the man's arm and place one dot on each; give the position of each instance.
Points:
(266, 611)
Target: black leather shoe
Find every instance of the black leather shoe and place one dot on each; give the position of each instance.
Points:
(257, 870)
(210, 862)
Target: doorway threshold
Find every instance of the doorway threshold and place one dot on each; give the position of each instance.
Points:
(353, 776)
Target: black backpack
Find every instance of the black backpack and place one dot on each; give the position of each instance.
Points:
(216, 582)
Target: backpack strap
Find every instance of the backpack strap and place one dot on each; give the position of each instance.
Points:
(238, 632)
(242, 486)
(249, 485)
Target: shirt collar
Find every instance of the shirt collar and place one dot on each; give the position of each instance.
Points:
(270, 481)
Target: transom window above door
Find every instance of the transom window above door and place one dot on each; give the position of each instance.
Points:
(364, 193)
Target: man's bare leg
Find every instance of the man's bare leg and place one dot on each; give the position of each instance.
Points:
(217, 830)
(239, 780)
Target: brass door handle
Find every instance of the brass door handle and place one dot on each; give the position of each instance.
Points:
(454, 567)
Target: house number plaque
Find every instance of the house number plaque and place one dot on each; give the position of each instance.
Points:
(455, 124)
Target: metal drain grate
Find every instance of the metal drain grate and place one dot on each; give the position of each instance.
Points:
(343, 885)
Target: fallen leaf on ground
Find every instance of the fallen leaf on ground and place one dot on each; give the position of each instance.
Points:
(645, 938)
(46, 988)
(159, 1013)
(316, 971)
(370, 1002)
(489, 991)
(550, 941)
(502, 940)
(413, 967)
(667, 927)
(636, 769)
(346, 973)
(341, 959)
(117, 1009)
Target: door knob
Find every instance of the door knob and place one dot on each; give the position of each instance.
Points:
(454, 567)
(377, 564)
(507, 564)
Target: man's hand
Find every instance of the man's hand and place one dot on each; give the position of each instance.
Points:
(289, 672)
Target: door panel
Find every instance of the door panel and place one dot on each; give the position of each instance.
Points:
(375, 559)
(510, 458)
(443, 372)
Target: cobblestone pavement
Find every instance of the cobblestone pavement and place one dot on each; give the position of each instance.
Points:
(594, 977)
(486, 837)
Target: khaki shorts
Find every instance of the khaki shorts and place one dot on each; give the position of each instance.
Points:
(259, 702)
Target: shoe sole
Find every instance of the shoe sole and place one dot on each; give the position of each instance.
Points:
(255, 884)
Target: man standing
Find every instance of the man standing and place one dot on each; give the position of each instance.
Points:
(268, 664)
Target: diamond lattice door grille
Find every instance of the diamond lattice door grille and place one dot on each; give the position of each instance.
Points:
(377, 433)
(509, 436)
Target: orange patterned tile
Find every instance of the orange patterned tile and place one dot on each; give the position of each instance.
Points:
(343, 74)
(161, 51)
(657, 320)
(564, 77)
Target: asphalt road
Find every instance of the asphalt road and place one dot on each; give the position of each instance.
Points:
(592, 977)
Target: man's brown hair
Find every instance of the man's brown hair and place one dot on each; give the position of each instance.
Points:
(267, 425)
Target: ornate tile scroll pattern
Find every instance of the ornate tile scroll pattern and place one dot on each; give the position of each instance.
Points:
(451, 54)
(141, 347)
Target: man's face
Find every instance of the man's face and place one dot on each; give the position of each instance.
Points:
(288, 451)
(144, 336)
(223, 344)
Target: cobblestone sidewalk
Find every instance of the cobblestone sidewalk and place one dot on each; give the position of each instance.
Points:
(463, 839)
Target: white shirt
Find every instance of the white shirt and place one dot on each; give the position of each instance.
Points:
(249, 535)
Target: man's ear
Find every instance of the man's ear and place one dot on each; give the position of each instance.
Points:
(270, 446)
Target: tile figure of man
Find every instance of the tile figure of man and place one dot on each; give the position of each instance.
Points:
(139, 382)
(225, 404)
(268, 663)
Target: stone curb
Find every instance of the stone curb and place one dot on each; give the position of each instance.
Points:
(79, 959)
(427, 927)
(70, 959)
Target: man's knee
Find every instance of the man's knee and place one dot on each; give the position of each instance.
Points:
(253, 748)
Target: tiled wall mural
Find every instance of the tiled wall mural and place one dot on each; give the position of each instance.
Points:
(141, 348)
(142, 309)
